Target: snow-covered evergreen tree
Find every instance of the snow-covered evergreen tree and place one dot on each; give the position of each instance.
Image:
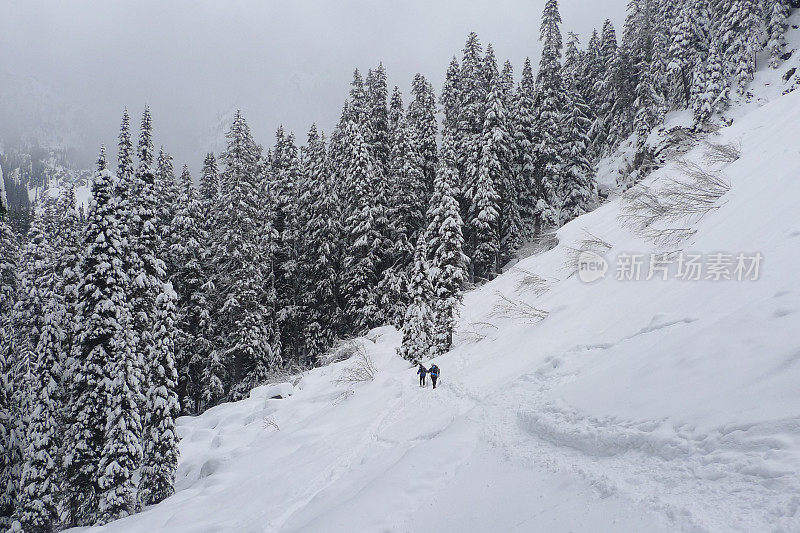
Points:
(29, 320)
(778, 11)
(471, 109)
(577, 188)
(451, 96)
(192, 345)
(40, 484)
(682, 54)
(496, 165)
(67, 243)
(9, 280)
(525, 136)
(285, 173)
(244, 255)
(550, 106)
(160, 456)
(149, 245)
(121, 455)
(167, 192)
(485, 200)
(364, 240)
(210, 388)
(125, 168)
(422, 121)
(445, 242)
(712, 89)
(102, 346)
(321, 257)
(741, 29)
(377, 127)
(418, 331)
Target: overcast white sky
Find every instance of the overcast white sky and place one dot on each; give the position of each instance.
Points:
(280, 61)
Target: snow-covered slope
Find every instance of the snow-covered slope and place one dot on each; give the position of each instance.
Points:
(633, 406)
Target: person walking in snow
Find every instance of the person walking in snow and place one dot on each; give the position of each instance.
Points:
(434, 372)
(422, 371)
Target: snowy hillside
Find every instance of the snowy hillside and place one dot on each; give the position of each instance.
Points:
(646, 405)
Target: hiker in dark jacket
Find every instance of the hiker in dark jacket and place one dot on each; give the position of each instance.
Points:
(422, 371)
(434, 372)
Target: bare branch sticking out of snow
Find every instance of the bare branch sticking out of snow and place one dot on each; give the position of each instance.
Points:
(269, 422)
(532, 282)
(541, 242)
(678, 200)
(342, 351)
(478, 331)
(361, 370)
(517, 310)
(722, 154)
(589, 243)
(343, 396)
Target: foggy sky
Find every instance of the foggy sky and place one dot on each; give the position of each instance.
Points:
(284, 62)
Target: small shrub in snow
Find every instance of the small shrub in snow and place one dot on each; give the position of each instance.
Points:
(517, 310)
(361, 370)
(686, 200)
(343, 396)
(476, 331)
(341, 352)
(531, 282)
(589, 243)
(542, 242)
(269, 422)
(722, 154)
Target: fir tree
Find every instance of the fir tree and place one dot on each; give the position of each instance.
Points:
(407, 191)
(40, 484)
(682, 54)
(167, 192)
(577, 189)
(9, 277)
(160, 456)
(778, 13)
(484, 210)
(102, 343)
(67, 242)
(29, 320)
(321, 259)
(417, 329)
(124, 155)
(378, 119)
(445, 243)
(244, 254)
(525, 135)
(472, 101)
(741, 29)
(286, 173)
(712, 90)
(550, 103)
(191, 344)
(496, 162)
(362, 262)
(210, 388)
(422, 121)
(451, 96)
(149, 245)
(648, 104)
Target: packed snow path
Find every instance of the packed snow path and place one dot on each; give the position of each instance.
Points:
(633, 406)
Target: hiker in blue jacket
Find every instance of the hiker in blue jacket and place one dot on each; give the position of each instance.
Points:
(434, 372)
(422, 371)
